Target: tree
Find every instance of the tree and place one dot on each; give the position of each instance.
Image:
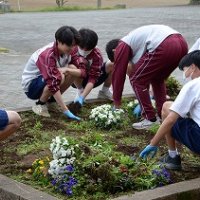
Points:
(61, 3)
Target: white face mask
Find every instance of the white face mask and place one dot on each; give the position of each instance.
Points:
(187, 79)
(83, 53)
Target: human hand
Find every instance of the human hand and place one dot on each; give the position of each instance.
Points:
(70, 115)
(149, 150)
(79, 99)
(137, 111)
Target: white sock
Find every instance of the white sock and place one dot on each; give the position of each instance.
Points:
(105, 89)
(173, 153)
(80, 90)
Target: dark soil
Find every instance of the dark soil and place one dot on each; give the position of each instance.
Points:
(13, 163)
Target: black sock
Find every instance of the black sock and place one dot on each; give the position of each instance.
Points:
(51, 100)
(153, 120)
(40, 102)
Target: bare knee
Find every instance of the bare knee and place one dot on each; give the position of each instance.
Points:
(165, 109)
(14, 119)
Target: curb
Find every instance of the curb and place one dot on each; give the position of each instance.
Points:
(13, 190)
(185, 190)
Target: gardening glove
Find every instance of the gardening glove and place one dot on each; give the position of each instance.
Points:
(70, 115)
(149, 150)
(79, 99)
(137, 111)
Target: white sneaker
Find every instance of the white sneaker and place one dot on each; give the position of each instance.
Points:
(105, 95)
(144, 124)
(41, 110)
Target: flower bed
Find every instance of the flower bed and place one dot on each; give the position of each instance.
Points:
(87, 160)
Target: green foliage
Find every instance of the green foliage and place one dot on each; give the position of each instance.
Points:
(154, 128)
(173, 87)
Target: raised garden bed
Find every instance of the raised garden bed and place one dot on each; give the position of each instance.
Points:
(107, 163)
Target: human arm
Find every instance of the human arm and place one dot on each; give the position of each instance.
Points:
(164, 129)
(66, 111)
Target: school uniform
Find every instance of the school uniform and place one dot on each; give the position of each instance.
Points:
(42, 69)
(187, 104)
(94, 69)
(155, 51)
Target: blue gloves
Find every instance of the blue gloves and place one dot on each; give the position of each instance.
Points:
(137, 111)
(149, 150)
(70, 115)
(79, 99)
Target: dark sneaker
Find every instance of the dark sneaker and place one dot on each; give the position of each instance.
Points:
(171, 163)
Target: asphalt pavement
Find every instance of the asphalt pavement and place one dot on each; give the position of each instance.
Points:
(23, 33)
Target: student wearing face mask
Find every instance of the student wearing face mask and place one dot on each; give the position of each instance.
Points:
(94, 72)
(181, 119)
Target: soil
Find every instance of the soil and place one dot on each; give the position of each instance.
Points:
(12, 163)
(38, 4)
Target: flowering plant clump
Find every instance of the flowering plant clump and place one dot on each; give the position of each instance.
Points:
(61, 167)
(63, 155)
(39, 170)
(64, 183)
(162, 176)
(104, 116)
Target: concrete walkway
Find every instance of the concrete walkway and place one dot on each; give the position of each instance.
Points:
(23, 33)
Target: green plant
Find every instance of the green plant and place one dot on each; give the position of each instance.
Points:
(173, 87)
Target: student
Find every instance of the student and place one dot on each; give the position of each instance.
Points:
(155, 51)
(45, 73)
(181, 119)
(9, 122)
(94, 72)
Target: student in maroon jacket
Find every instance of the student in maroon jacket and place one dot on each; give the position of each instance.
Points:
(45, 73)
(94, 72)
(154, 51)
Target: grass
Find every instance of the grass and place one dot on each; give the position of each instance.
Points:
(65, 9)
(4, 50)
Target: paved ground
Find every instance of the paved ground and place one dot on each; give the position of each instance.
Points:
(23, 33)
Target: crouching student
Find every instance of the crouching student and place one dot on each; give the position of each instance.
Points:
(45, 74)
(181, 119)
(94, 72)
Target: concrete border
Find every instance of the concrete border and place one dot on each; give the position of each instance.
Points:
(13, 190)
(186, 190)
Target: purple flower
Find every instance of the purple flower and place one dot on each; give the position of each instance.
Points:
(69, 168)
(69, 191)
(54, 181)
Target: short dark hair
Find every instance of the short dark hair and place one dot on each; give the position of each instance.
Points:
(110, 46)
(189, 59)
(67, 35)
(89, 38)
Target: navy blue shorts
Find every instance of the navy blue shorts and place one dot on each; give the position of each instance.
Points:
(3, 119)
(36, 88)
(100, 80)
(187, 132)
